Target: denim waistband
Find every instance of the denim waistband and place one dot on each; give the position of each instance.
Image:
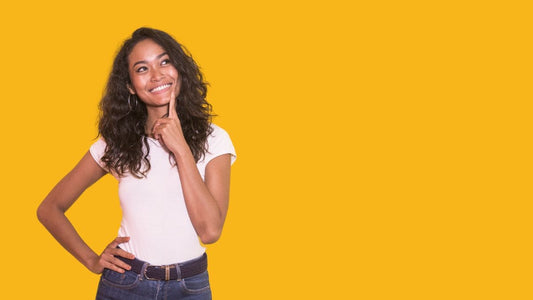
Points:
(176, 271)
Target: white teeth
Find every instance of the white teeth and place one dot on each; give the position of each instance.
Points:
(160, 87)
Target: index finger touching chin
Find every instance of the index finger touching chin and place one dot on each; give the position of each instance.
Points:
(172, 104)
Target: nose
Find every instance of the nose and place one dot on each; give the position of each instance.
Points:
(156, 75)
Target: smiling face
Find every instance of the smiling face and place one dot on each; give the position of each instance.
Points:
(152, 75)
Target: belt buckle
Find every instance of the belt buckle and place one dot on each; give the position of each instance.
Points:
(146, 276)
(167, 272)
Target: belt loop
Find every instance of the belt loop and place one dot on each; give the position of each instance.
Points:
(167, 272)
(178, 272)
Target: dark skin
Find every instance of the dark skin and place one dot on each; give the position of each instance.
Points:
(156, 83)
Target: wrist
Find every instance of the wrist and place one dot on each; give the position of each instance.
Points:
(181, 152)
(90, 261)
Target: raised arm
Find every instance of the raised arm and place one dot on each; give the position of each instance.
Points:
(51, 213)
(207, 202)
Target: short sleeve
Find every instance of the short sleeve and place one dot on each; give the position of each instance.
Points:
(97, 150)
(219, 143)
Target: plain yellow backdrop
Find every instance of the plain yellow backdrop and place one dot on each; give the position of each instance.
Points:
(384, 147)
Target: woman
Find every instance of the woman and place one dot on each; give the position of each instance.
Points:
(173, 168)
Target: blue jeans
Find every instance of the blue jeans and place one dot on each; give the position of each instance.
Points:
(132, 286)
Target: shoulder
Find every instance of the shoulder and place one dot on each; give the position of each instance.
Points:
(98, 146)
(218, 143)
(218, 132)
(100, 142)
(218, 138)
(97, 150)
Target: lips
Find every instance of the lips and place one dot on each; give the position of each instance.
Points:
(160, 88)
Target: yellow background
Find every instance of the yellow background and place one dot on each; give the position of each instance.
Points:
(384, 149)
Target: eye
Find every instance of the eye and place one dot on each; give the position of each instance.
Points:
(165, 61)
(141, 69)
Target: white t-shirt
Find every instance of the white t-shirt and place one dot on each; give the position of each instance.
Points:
(154, 215)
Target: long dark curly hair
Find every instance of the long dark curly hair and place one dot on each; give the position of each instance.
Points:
(122, 120)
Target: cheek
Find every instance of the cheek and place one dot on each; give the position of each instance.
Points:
(172, 71)
(177, 77)
(174, 74)
(137, 83)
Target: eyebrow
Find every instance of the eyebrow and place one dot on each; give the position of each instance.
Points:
(145, 62)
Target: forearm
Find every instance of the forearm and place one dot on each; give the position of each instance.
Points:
(205, 213)
(51, 211)
(55, 221)
(206, 201)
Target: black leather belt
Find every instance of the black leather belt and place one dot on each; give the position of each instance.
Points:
(168, 272)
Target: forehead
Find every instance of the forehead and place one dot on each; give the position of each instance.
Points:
(145, 50)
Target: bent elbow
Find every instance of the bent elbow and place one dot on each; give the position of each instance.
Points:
(210, 237)
(42, 213)
(45, 212)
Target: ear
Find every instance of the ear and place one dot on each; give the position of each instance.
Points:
(132, 91)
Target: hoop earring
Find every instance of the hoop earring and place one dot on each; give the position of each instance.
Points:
(129, 102)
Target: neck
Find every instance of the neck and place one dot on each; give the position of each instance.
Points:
(154, 113)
